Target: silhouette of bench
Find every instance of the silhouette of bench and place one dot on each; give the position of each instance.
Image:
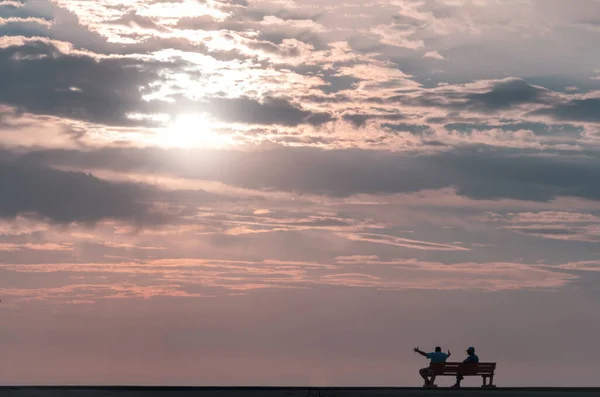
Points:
(485, 370)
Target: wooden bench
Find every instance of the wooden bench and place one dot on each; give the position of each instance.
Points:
(485, 370)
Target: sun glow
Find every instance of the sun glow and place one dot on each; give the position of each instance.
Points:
(192, 131)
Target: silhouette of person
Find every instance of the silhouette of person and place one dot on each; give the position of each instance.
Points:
(471, 359)
(435, 357)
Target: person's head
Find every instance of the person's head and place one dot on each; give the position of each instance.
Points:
(471, 350)
(438, 349)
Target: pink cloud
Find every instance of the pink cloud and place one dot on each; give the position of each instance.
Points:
(36, 247)
(203, 277)
(39, 21)
(433, 55)
(588, 266)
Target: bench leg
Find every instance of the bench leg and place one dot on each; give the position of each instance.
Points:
(488, 382)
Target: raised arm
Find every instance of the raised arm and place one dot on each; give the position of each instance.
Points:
(416, 349)
(449, 354)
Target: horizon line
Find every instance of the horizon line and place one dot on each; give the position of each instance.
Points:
(162, 387)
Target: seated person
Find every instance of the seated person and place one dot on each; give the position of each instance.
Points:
(435, 357)
(471, 359)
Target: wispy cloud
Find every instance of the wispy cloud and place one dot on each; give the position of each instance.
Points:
(557, 225)
(401, 242)
(586, 266)
(35, 247)
(204, 277)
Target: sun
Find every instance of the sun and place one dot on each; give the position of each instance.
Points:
(191, 131)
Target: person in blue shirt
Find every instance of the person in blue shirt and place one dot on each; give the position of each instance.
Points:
(471, 359)
(435, 357)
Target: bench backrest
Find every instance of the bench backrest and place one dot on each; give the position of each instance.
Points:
(464, 368)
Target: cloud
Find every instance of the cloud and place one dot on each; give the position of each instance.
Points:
(42, 78)
(553, 217)
(27, 20)
(505, 94)
(69, 196)
(556, 225)
(398, 35)
(360, 120)
(167, 277)
(475, 172)
(65, 197)
(401, 242)
(196, 278)
(356, 259)
(91, 293)
(235, 223)
(585, 110)
(133, 19)
(484, 97)
(12, 3)
(538, 128)
(433, 55)
(36, 247)
(585, 266)
(269, 111)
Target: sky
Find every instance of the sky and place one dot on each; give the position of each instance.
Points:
(298, 192)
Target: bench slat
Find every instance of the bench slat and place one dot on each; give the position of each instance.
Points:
(465, 369)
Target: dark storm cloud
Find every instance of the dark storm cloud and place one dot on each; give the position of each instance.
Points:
(269, 111)
(586, 110)
(38, 78)
(479, 172)
(30, 187)
(416, 129)
(583, 83)
(500, 96)
(360, 120)
(507, 94)
(65, 197)
(303, 170)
